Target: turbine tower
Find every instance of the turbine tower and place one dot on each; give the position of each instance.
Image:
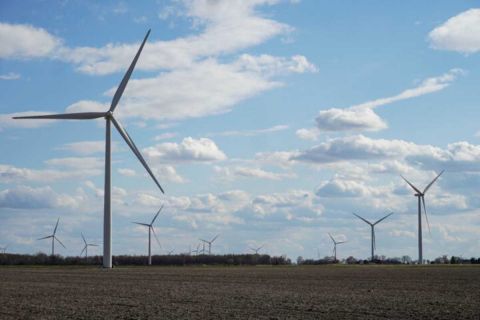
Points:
(109, 119)
(85, 248)
(54, 237)
(150, 230)
(4, 249)
(335, 247)
(372, 225)
(421, 200)
(256, 249)
(209, 244)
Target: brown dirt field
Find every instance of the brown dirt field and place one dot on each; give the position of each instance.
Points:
(313, 292)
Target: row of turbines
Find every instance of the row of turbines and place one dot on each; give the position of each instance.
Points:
(111, 119)
(421, 205)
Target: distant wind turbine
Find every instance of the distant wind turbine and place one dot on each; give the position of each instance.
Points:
(54, 237)
(85, 248)
(109, 118)
(372, 225)
(150, 230)
(209, 244)
(335, 246)
(256, 250)
(421, 200)
(4, 249)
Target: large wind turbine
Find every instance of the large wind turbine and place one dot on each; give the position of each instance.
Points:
(209, 244)
(85, 248)
(421, 200)
(150, 230)
(109, 119)
(256, 250)
(372, 225)
(54, 237)
(335, 247)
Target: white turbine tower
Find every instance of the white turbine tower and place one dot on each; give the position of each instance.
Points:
(209, 244)
(54, 237)
(335, 247)
(150, 230)
(85, 248)
(109, 119)
(421, 200)
(372, 225)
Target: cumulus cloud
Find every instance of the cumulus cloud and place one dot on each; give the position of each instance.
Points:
(77, 163)
(189, 150)
(250, 133)
(14, 174)
(361, 117)
(23, 197)
(308, 134)
(26, 41)
(168, 173)
(10, 76)
(460, 33)
(85, 147)
(127, 172)
(345, 188)
(232, 173)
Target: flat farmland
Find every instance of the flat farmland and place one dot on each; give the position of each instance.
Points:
(310, 292)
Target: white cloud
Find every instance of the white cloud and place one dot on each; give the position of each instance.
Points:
(168, 173)
(293, 204)
(308, 134)
(165, 136)
(10, 173)
(25, 41)
(189, 150)
(460, 33)
(345, 188)
(24, 197)
(232, 173)
(250, 133)
(127, 172)
(361, 117)
(10, 76)
(77, 163)
(84, 147)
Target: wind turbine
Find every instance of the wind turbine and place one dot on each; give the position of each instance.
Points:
(109, 119)
(150, 230)
(4, 249)
(209, 244)
(335, 247)
(372, 225)
(421, 200)
(85, 248)
(256, 249)
(53, 238)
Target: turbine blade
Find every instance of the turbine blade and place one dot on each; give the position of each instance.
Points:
(68, 116)
(156, 215)
(84, 248)
(134, 149)
(142, 224)
(332, 238)
(83, 238)
(340, 242)
(92, 245)
(156, 238)
(380, 220)
(362, 218)
(59, 242)
(56, 226)
(426, 216)
(44, 237)
(411, 185)
(433, 181)
(126, 77)
(215, 238)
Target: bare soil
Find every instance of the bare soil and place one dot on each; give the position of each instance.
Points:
(310, 292)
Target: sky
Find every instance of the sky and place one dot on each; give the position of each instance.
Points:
(268, 122)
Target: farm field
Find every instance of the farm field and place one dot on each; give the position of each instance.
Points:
(309, 292)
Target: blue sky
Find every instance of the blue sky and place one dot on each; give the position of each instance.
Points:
(266, 121)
